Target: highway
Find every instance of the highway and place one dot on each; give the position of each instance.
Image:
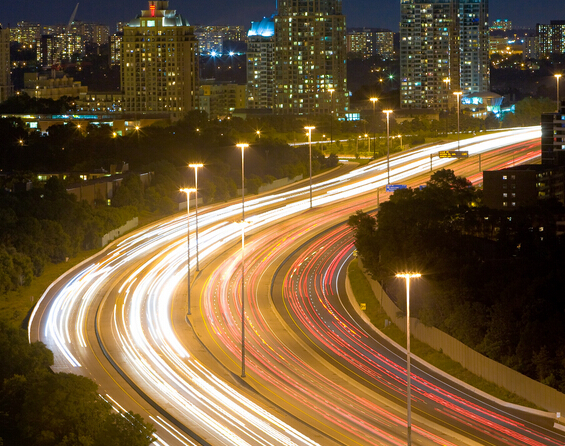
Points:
(120, 319)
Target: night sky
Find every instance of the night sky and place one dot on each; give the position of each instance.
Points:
(370, 13)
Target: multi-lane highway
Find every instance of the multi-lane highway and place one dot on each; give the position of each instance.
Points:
(120, 319)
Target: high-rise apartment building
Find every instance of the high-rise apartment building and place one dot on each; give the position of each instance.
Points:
(428, 53)
(367, 42)
(443, 48)
(159, 68)
(6, 88)
(27, 34)
(310, 58)
(211, 38)
(474, 46)
(551, 38)
(115, 49)
(261, 64)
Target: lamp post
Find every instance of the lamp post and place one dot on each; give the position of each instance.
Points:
(408, 276)
(331, 90)
(557, 78)
(400, 136)
(195, 167)
(458, 95)
(188, 192)
(388, 112)
(310, 128)
(374, 101)
(447, 82)
(242, 147)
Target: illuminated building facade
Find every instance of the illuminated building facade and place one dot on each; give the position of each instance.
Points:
(211, 38)
(501, 25)
(220, 99)
(261, 64)
(159, 69)
(442, 40)
(6, 88)
(551, 38)
(428, 53)
(27, 34)
(474, 46)
(310, 58)
(115, 52)
(367, 42)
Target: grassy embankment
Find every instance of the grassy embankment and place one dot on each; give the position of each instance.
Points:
(363, 293)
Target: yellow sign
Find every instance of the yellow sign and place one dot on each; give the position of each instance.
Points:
(363, 307)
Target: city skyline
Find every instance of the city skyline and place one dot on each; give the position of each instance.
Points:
(358, 13)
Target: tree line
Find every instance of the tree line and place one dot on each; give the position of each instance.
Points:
(42, 408)
(492, 279)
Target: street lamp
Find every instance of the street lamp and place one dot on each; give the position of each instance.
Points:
(242, 147)
(188, 192)
(374, 101)
(447, 82)
(408, 276)
(388, 112)
(557, 77)
(400, 136)
(310, 128)
(195, 167)
(458, 94)
(258, 132)
(331, 90)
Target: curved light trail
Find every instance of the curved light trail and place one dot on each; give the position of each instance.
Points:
(126, 295)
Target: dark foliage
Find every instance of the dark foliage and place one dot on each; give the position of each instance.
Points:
(39, 407)
(492, 279)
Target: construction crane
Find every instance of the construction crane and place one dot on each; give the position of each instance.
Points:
(56, 59)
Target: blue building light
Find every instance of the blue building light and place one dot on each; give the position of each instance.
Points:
(264, 28)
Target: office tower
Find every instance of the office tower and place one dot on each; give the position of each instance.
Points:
(159, 69)
(6, 88)
(443, 48)
(261, 64)
(310, 58)
(551, 38)
(474, 46)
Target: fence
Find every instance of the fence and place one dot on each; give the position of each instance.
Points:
(533, 391)
(115, 233)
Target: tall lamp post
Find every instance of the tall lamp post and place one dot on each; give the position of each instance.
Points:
(557, 78)
(408, 276)
(331, 90)
(188, 192)
(458, 94)
(447, 82)
(388, 112)
(195, 167)
(242, 147)
(310, 128)
(374, 101)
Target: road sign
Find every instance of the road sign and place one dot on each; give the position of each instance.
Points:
(393, 187)
(453, 154)
(363, 306)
